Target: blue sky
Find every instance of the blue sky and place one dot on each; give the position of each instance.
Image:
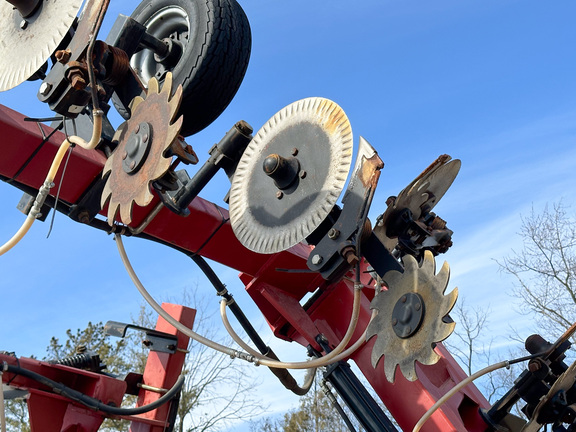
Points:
(489, 82)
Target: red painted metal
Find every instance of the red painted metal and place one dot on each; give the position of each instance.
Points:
(50, 412)
(275, 291)
(43, 404)
(162, 370)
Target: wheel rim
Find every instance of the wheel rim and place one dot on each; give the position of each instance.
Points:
(171, 22)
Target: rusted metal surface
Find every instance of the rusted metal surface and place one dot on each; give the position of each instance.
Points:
(335, 254)
(61, 99)
(140, 159)
(404, 348)
(420, 196)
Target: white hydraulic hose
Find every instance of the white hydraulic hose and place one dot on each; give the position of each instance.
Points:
(322, 361)
(456, 389)
(338, 354)
(49, 181)
(171, 320)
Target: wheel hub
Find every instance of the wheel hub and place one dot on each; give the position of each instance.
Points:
(137, 148)
(407, 315)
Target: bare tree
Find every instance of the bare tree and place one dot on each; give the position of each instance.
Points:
(468, 342)
(545, 267)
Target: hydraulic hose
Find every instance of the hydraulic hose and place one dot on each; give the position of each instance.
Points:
(337, 357)
(97, 114)
(456, 389)
(503, 364)
(283, 375)
(49, 181)
(175, 323)
(319, 362)
(91, 402)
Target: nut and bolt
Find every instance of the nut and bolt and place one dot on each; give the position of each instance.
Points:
(333, 233)
(124, 155)
(294, 151)
(84, 217)
(349, 254)
(534, 366)
(23, 24)
(394, 321)
(317, 259)
(62, 56)
(147, 343)
(45, 88)
(279, 194)
(132, 165)
(77, 81)
(403, 299)
(302, 174)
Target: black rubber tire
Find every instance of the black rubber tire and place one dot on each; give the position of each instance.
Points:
(215, 56)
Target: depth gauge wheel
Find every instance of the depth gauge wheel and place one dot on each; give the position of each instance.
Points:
(214, 37)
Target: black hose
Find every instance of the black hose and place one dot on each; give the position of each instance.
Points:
(283, 375)
(234, 307)
(91, 402)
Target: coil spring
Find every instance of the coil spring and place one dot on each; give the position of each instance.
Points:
(85, 361)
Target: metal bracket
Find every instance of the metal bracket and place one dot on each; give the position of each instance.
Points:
(339, 250)
(155, 340)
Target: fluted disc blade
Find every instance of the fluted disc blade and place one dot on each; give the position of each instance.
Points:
(268, 219)
(24, 48)
(139, 158)
(399, 339)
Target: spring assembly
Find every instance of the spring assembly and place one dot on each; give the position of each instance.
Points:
(85, 361)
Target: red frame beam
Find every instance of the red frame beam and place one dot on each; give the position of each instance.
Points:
(276, 292)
